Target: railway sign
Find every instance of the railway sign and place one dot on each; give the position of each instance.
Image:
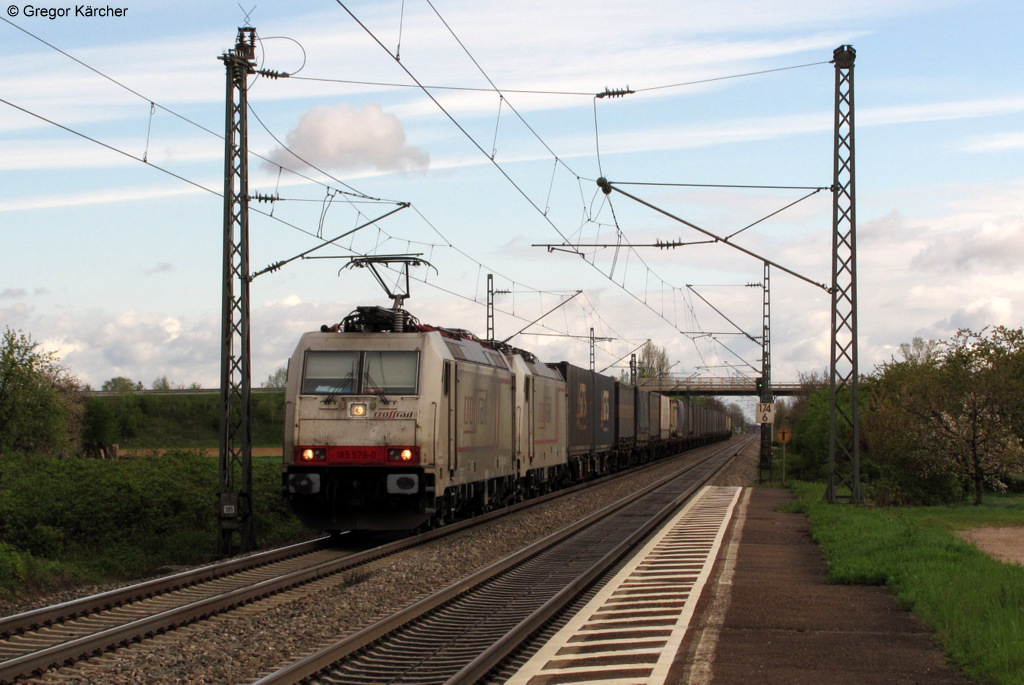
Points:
(784, 435)
(765, 412)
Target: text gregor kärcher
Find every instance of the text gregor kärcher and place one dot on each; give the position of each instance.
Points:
(86, 11)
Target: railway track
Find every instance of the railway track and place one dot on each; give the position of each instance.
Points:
(460, 634)
(34, 641)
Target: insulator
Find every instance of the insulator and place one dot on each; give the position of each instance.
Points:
(616, 93)
(270, 73)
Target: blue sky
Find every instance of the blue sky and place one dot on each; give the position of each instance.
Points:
(114, 263)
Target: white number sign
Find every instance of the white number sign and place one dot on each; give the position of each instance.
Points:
(765, 412)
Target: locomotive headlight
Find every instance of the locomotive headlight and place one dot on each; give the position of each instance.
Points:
(357, 409)
(310, 454)
(399, 454)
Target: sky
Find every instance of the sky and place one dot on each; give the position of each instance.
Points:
(478, 122)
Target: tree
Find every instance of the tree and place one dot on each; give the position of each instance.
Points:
(949, 417)
(278, 379)
(101, 427)
(653, 361)
(920, 351)
(121, 385)
(40, 409)
(974, 419)
(808, 419)
(739, 418)
(126, 404)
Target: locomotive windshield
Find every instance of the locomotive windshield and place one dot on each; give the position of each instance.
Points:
(360, 373)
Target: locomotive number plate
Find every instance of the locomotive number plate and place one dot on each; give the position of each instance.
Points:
(358, 456)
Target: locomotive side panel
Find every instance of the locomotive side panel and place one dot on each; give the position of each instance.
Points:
(539, 426)
(547, 421)
(483, 423)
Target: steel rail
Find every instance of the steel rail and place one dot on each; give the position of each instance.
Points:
(76, 608)
(308, 667)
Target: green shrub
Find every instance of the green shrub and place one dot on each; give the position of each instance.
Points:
(154, 421)
(12, 567)
(85, 518)
(45, 541)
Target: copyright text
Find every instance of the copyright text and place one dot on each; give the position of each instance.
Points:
(84, 11)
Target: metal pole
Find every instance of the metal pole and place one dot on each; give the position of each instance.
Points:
(844, 412)
(235, 462)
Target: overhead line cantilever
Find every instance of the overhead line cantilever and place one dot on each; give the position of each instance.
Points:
(277, 265)
(607, 187)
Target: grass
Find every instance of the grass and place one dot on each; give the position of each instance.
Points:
(973, 603)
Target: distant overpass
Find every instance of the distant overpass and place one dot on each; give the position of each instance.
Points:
(710, 385)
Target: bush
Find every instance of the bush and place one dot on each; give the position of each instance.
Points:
(178, 420)
(40, 407)
(12, 567)
(124, 518)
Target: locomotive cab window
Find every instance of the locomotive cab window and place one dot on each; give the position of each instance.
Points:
(330, 372)
(390, 372)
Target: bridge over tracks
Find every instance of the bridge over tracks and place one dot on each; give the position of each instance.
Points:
(711, 385)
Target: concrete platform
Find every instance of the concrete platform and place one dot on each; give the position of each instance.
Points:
(768, 615)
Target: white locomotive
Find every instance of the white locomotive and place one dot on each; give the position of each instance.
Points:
(394, 425)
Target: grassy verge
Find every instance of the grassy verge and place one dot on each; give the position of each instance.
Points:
(974, 604)
(81, 521)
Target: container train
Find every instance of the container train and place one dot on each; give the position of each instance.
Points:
(395, 425)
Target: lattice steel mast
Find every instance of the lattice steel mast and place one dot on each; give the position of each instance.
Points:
(844, 416)
(491, 292)
(235, 465)
(765, 394)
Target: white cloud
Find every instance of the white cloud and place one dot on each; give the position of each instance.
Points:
(976, 315)
(996, 142)
(344, 138)
(117, 195)
(992, 246)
